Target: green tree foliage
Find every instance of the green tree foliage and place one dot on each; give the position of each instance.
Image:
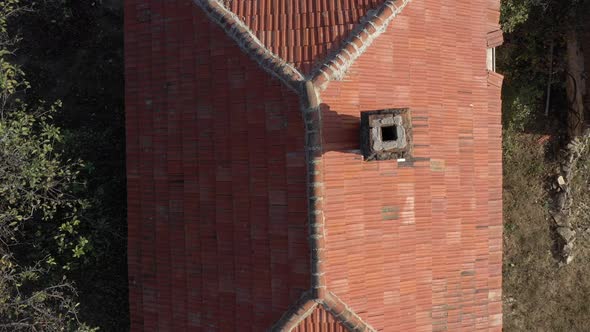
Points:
(73, 51)
(39, 215)
(34, 194)
(532, 55)
(538, 295)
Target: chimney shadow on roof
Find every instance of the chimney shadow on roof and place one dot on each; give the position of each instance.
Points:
(340, 132)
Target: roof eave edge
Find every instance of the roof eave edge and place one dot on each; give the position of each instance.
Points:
(251, 45)
(375, 24)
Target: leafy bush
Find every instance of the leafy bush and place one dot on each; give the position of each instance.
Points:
(73, 51)
(39, 216)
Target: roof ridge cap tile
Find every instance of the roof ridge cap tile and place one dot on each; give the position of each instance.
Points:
(296, 314)
(305, 306)
(236, 29)
(345, 315)
(377, 20)
(333, 67)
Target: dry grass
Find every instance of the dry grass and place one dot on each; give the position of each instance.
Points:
(539, 295)
(580, 188)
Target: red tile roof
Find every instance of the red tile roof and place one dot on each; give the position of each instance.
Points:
(302, 32)
(328, 66)
(230, 170)
(299, 314)
(320, 320)
(216, 178)
(416, 247)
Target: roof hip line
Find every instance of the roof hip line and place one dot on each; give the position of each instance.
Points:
(305, 306)
(372, 26)
(250, 44)
(318, 294)
(333, 68)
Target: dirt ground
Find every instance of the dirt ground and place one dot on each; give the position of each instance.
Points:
(539, 294)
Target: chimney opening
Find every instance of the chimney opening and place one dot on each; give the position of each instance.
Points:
(386, 134)
(389, 133)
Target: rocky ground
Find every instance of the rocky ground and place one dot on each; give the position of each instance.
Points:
(546, 234)
(571, 211)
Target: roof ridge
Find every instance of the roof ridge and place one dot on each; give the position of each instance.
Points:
(331, 303)
(346, 316)
(297, 313)
(334, 67)
(250, 44)
(371, 27)
(319, 292)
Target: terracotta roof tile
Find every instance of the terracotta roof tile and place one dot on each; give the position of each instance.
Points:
(238, 204)
(302, 32)
(218, 205)
(320, 320)
(436, 262)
